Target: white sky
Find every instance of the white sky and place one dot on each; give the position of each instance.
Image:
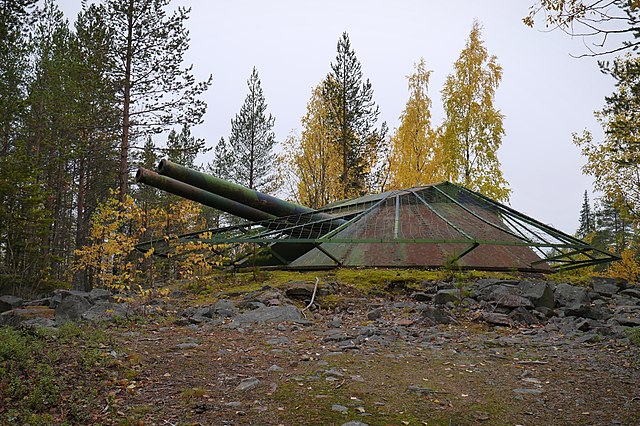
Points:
(545, 94)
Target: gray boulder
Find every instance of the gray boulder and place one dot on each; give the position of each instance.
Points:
(71, 308)
(100, 294)
(225, 308)
(445, 296)
(434, 315)
(60, 294)
(539, 293)
(497, 318)
(605, 285)
(584, 310)
(569, 295)
(38, 323)
(523, 316)
(485, 287)
(631, 292)
(17, 316)
(510, 300)
(9, 302)
(107, 311)
(604, 288)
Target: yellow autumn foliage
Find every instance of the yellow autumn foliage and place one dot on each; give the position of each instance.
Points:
(473, 128)
(313, 159)
(117, 227)
(627, 268)
(414, 158)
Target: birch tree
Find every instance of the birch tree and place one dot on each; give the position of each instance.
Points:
(414, 155)
(472, 131)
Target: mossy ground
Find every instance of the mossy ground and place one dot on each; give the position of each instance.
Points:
(135, 373)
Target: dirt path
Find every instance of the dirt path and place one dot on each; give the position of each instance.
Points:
(337, 370)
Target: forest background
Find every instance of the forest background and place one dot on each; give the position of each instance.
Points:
(85, 103)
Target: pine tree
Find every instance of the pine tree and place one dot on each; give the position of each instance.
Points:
(252, 141)
(413, 145)
(222, 164)
(614, 228)
(586, 225)
(183, 148)
(351, 118)
(472, 131)
(94, 120)
(148, 50)
(16, 17)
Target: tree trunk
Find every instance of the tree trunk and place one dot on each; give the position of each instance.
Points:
(124, 144)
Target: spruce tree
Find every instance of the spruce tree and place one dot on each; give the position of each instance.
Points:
(252, 141)
(614, 227)
(586, 225)
(351, 118)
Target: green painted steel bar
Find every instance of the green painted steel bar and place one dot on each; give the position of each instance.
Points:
(396, 223)
(509, 220)
(255, 199)
(198, 195)
(531, 221)
(475, 214)
(447, 221)
(466, 251)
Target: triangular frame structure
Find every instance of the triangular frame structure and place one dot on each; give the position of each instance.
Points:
(430, 226)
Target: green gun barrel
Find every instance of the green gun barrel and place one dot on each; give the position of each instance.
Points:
(198, 195)
(245, 196)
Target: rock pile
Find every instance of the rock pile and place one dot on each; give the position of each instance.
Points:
(63, 306)
(607, 308)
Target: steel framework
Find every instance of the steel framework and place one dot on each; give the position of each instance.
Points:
(428, 226)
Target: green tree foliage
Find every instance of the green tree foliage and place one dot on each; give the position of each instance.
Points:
(15, 19)
(586, 225)
(414, 155)
(154, 91)
(183, 148)
(222, 164)
(252, 141)
(472, 131)
(614, 162)
(94, 119)
(222, 167)
(614, 229)
(600, 21)
(351, 118)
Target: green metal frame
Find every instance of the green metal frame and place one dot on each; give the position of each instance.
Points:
(567, 252)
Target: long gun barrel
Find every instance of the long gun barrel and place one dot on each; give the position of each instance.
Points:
(198, 195)
(245, 196)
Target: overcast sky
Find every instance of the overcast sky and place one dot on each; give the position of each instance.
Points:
(545, 94)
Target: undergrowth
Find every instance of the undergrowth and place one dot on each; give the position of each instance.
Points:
(47, 377)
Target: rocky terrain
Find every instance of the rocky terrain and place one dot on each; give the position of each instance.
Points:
(488, 351)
